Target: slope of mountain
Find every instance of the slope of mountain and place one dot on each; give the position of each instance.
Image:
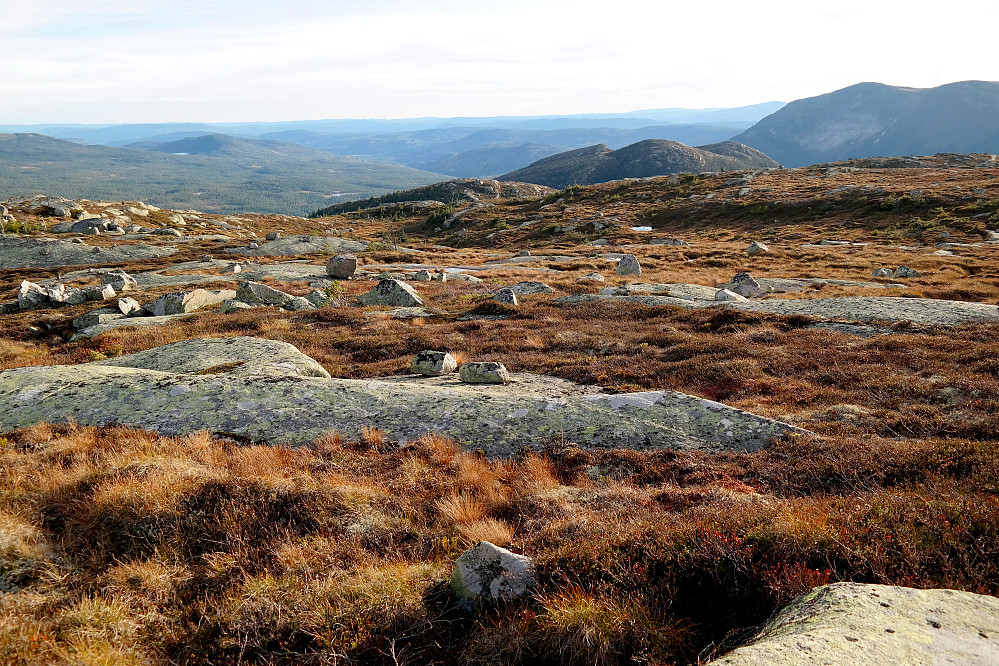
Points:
(231, 175)
(653, 157)
(873, 119)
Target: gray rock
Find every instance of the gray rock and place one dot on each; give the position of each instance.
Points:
(906, 272)
(484, 372)
(691, 292)
(430, 363)
(255, 292)
(168, 231)
(90, 225)
(272, 236)
(391, 292)
(485, 574)
(18, 252)
(128, 307)
(299, 303)
(530, 287)
(180, 302)
(207, 258)
(31, 295)
(506, 295)
(231, 269)
(592, 277)
(100, 292)
(524, 253)
(744, 285)
(422, 276)
(757, 247)
(882, 272)
(342, 266)
(231, 305)
(97, 317)
(440, 276)
(60, 294)
(628, 265)
(877, 625)
(120, 280)
(726, 295)
(295, 245)
(171, 399)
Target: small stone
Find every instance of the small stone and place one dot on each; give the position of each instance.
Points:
(531, 287)
(524, 253)
(342, 266)
(168, 231)
(205, 258)
(592, 277)
(422, 276)
(486, 573)
(484, 372)
(882, 272)
(430, 363)
(439, 277)
(231, 269)
(628, 265)
(506, 295)
(96, 317)
(756, 247)
(906, 272)
(743, 284)
(272, 236)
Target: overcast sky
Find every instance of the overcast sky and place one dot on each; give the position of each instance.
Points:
(94, 61)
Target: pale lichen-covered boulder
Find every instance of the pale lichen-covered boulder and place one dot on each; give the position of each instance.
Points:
(31, 295)
(95, 317)
(847, 624)
(298, 304)
(485, 574)
(255, 292)
(21, 252)
(592, 277)
(229, 385)
(484, 372)
(628, 265)
(906, 272)
(391, 292)
(230, 305)
(129, 306)
(430, 363)
(757, 247)
(120, 280)
(342, 266)
(726, 295)
(744, 285)
(882, 272)
(180, 302)
(100, 292)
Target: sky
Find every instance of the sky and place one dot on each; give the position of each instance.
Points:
(127, 61)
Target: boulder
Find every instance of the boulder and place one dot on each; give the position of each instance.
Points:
(524, 253)
(592, 277)
(726, 295)
(391, 292)
(97, 317)
(168, 231)
(485, 574)
(120, 280)
(180, 302)
(232, 269)
(299, 303)
(90, 225)
(881, 625)
(506, 295)
(342, 266)
(906, 272)
(231, 305)
(129, 307)
(440, 276)
(628, 265)
(206, 258)
(321, 299)
(31, 295)
(272, 236)
(530, 287)
(100, 292)
(423, 276)
(484, 372)
(430, 363)
(882, 272)
(744, 285)
(255, 292)
(61, 294)
(756, 247)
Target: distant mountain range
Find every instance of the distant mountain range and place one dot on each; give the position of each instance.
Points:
(219, 174)
(652, 157)
(877, 120)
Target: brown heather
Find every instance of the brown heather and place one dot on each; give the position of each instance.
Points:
(119, 546)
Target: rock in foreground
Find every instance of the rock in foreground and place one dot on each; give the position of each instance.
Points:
(877, 625)
(269, 391)
(485, 574)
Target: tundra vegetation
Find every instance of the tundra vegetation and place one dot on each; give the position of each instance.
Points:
(119, 545)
